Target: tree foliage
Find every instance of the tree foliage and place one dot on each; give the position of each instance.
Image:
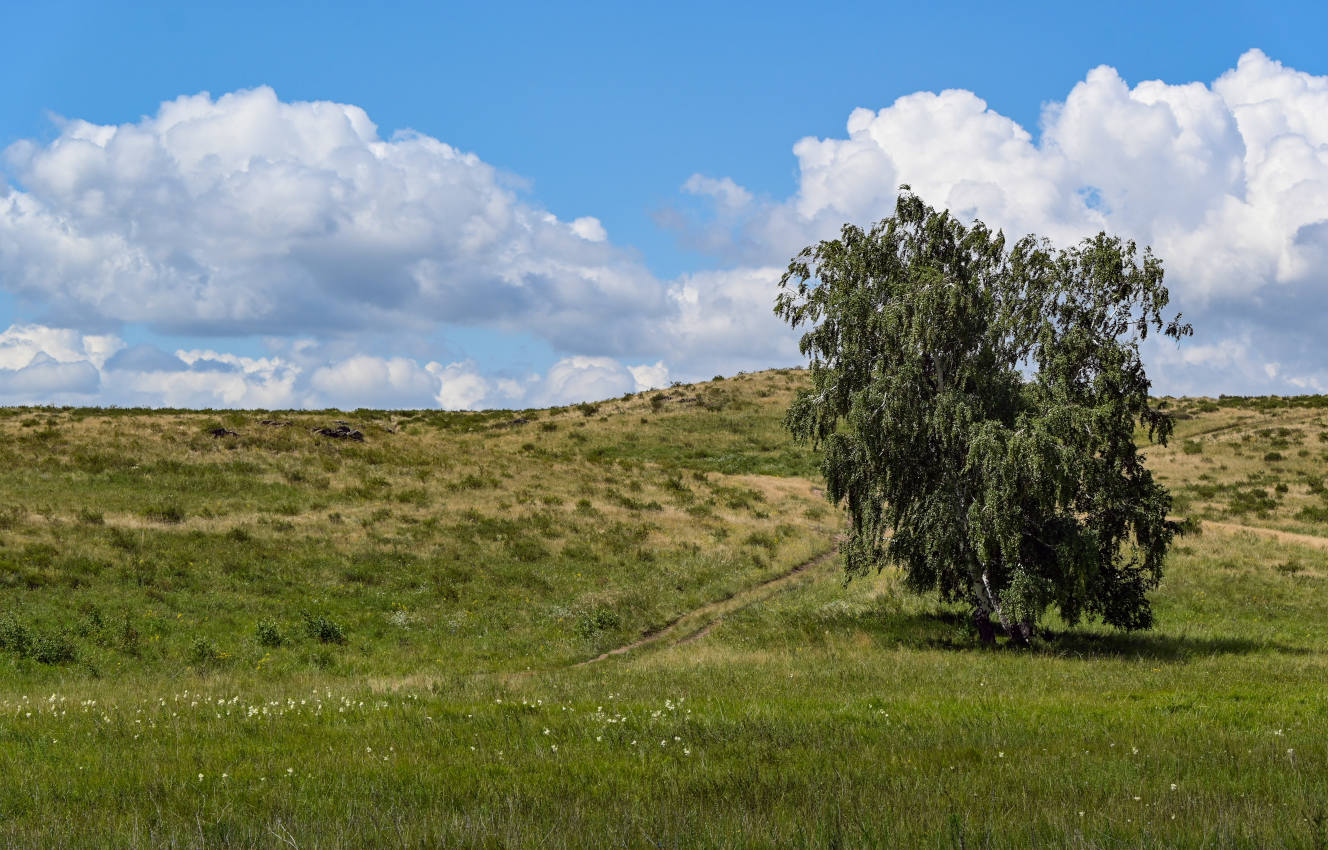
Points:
(976, 405)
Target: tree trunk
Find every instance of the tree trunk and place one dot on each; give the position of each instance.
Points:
(1020, 632)
(986, 631)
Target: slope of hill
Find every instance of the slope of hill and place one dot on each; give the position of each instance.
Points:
(280, 637)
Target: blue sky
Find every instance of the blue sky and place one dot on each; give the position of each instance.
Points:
(668, 132)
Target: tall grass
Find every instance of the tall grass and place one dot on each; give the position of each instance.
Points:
(279, 639)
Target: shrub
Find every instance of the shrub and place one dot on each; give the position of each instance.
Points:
(53, 649)
(472, 482)
(127, 638)
(43, 647)
(202, 653)
(1272, 456)
(1255, 500)
(599, 619)
(15, 636)
(526, 549)
(1192, 447)
(164, 512)
(322, 629)
(1313, 513)
(267, 633)
(414, 495)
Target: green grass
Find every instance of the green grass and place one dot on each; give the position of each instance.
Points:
(284, 640)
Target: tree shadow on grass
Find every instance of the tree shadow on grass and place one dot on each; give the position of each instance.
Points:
(1153, 645)
(952, 630)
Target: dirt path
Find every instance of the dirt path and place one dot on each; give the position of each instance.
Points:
(1271, 533)
(709, 615)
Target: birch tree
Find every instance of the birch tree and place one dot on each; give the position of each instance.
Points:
(976, 406)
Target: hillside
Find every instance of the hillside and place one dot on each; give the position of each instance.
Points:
(280, 637)
(493, 541)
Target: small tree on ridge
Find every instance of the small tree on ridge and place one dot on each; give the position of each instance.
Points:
(976, 407)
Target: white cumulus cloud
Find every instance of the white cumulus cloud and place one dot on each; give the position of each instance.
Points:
(377, 382)
(247, 214)
(1228, 182)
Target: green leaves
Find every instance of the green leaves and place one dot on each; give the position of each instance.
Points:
(976, 407)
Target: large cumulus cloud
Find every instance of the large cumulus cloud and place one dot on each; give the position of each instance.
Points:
(1228, 182)
(245, 214)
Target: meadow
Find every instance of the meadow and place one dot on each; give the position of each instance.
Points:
(620, 625)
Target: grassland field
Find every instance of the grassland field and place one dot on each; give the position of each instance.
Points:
(282, 639)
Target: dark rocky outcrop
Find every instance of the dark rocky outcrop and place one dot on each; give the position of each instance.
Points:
(343, 431)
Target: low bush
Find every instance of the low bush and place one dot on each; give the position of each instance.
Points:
(323, 629)
(268, 633)
(203, 653)
(599, 619)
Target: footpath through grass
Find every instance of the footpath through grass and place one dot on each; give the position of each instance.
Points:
(279, 639)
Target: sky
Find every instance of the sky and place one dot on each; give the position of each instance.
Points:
(469, 206)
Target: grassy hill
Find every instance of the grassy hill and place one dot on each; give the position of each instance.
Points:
(275, 637)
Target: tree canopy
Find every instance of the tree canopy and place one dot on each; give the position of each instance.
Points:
(976, 404)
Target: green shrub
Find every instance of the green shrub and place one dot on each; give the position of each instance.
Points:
(599, 619)
(50, 648)
(1313, 513)
(267, 633)
(164, 512)
(15, 637)
(44, 647)
(1255, 500)
(414, 495)
(526, 549)
(472, 482)
(1192, 447)
(322, 629)
(203, 653)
